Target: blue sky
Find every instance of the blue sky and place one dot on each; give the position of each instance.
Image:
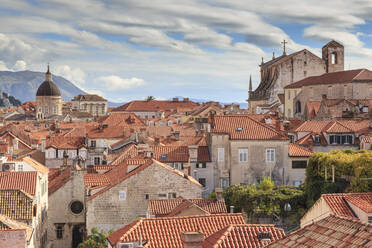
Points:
(204, 49)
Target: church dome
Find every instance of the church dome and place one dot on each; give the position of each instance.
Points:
(48, 87)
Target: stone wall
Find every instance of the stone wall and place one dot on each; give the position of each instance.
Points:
(60, 213)
(107, 212)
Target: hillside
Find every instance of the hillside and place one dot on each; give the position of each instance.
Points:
(24, 84)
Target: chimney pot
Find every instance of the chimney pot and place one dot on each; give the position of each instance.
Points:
(231, 209)
(192, 239)
(219, 193)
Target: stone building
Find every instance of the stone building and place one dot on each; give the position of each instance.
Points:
(123, 193)
(245, 150)
(48, 98)
(67, 207)
(93, 104)
(350, 85)
(299, 157)
(286, 69)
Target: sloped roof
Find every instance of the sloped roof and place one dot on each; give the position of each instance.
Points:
(155, 106)
(166, 232)
(330, 232)
(122, 119)
(244, 127)
(163, 207)
(58, 179)
(65, 142)
(361, 200)
(299, 151)
(339, 126)
(88, 97)
(22, 180)
(334, 78)
(9, 224)
(16, 204)
(243, 235)
(36, 165)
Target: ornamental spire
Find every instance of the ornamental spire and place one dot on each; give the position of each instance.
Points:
(48, 75)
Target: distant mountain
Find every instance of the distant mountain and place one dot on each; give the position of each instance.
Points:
(24, 84)
(8, 101)
(242, 104)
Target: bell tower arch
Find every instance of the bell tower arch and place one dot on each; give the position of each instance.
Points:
(333, 56)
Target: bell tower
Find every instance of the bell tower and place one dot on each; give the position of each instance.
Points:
(333, 56)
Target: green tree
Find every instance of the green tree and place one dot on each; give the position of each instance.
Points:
(337, 172)
(150, 98)
(95, 240)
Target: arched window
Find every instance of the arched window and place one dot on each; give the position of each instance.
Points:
(334, 58)
(298, 107)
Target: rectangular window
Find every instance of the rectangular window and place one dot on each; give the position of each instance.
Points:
(162, 195)
(221, 154)
(289, 95)
(291, 138)
(243, 155)
(224, 183)
(20, 167)
(122, 195)
(172, 195)
(147, 196)
(299, 164)
(97, 160)
(92, 143)
(59, 231)
(270, 155)
(204, 165)
(370, 219)
(203, 181)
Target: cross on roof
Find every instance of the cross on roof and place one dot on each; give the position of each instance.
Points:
(284, 42)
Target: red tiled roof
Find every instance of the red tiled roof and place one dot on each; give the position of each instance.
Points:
(155, 106)
(361, 200)
(203, 154)
(63, 142)
(334, 78)
(338, 204)
(93, 179)
(23, 180)
(16, 204)
(171, 153)
(332, 231)
(122, 119)
(243, 127)
(299, 151)
(58, 179)
(243, 235)
(166, 232)
(163, 207)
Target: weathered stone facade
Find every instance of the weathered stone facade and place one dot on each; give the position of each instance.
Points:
(286, 69)
(65, 228)
(107, 211)
(93, 104)
(256, 167)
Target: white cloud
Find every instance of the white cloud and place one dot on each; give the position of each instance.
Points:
(114, 82)
(75, 75)
(3, 66)
(20, 65)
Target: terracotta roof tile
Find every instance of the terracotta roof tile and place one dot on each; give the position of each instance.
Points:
(299, 151)
(361, 200)
(334, 78)
(243, 235)
(22, 180)
(166, 232)
(203, 154)
(171, 153)
(332, 231)
(59, 179)
(93, 179)
(244, 127)
(16, 204)
(63, 142)
(163, 207)
(155, 106)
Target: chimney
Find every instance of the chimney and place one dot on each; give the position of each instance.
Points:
(186, 99)
(43, 144)
(219, 193)
(175, 99)
(232, 209)
(192, 239)
(193, 153)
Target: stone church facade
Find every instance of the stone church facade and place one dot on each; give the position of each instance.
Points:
(287, 69)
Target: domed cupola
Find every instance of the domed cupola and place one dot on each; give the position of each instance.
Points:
(48, 87)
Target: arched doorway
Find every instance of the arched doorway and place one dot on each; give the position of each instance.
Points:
(77, 235)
